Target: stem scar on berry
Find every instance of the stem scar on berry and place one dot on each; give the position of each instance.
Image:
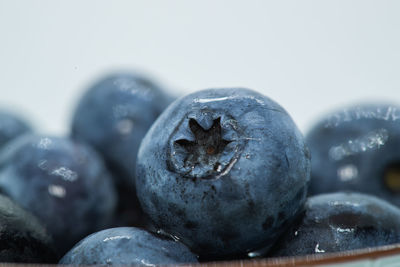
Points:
(207, 145)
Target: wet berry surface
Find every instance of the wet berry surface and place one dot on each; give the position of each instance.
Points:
(224, 170)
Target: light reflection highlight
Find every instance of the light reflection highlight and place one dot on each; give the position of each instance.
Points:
(57, 191)
(387, 114)
(371, 140)
(45, 143)
(117, 237)
(125, 127)
(347, 173)
(65, 173)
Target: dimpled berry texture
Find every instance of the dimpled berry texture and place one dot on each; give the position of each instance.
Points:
(22, 237)
(113, 116)
(63, 183)
(224, 170)
(128, 246)
(353, 148)
(340, 222)
(11, 126)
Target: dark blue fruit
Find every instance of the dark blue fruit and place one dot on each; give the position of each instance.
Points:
(63, 183)
(339, 222)
(357, 149)
(22, 237)
(113, 116)
(224, 170)
(11, 126)
(128, 246)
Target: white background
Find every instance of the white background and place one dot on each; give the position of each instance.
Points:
(309, 56)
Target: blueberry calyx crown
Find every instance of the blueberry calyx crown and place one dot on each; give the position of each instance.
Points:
(207, 143)
(204, 152)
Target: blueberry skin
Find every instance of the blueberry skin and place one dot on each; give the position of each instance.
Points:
(356, 148)
(11, 126)
(224, 170)
(128, 246)
(339, 222)
(113, 116)
(62, 182)
(23, 239)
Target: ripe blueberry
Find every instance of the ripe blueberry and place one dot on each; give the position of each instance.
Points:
(339, 222)
(128, 246)
(62, 182)
(224, 170)
(113, 116)
(357, 149)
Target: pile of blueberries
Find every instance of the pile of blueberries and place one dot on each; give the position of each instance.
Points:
(219, 174)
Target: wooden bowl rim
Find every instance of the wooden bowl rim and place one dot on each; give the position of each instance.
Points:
(315, 259)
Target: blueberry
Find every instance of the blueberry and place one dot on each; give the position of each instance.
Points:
(128, 246)
(224, 170)
(63, 183)
(113, 116)
(357, 149)
(339, 222)
(11, 126)
(22, 238)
